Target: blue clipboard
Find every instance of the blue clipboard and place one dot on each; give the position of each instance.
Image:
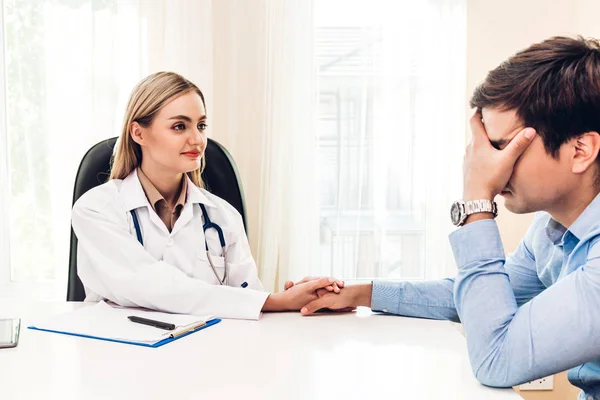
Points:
(153, 345)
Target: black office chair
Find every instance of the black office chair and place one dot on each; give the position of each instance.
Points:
(220, 177)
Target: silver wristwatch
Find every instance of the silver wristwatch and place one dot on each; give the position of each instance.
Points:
(460, 210)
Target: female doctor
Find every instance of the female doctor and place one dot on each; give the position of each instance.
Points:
(153, 237)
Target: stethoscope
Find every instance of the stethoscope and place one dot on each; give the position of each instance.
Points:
(207, 225)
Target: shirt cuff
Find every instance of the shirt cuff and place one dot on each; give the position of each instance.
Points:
(479, 240)
(385, 296)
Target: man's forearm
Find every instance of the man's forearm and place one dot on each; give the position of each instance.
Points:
(422, 299)
(362, 294)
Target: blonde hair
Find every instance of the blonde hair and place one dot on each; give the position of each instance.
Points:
(146, 100)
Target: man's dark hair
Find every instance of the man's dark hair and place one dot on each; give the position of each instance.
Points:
(554, 86)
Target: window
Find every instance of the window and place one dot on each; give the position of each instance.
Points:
(381, 71)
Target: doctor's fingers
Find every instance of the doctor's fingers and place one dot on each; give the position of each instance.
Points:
(290, 284)
(336, 285)
(320, 283)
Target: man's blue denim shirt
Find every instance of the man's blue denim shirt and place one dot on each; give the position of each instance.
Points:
(528, 315)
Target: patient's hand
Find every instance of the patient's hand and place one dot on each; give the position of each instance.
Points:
(348, 299)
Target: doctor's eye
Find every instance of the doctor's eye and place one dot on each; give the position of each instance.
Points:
(179, 127)
(202, 126)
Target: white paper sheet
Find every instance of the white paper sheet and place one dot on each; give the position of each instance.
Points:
(103, 321)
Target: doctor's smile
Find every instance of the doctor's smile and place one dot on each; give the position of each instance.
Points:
(192, 154)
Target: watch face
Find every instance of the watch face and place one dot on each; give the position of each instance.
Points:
(455, 213)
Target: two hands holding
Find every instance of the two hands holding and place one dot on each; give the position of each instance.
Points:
(315, 293)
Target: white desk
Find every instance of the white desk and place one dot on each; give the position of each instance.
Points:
(282, 356)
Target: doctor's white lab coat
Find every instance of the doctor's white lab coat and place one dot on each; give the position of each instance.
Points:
(170, 272)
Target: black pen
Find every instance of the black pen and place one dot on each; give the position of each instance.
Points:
(151, 322)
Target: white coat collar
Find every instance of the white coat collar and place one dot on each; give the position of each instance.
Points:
(134, 197)
(196, 195)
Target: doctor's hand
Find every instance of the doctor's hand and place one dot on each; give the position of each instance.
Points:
(348, 299)
(335, 287)
(487, 170)
(298, 295)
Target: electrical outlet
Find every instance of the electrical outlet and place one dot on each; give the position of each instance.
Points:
(546, 383)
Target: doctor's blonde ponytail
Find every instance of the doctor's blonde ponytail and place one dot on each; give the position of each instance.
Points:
(146, 100)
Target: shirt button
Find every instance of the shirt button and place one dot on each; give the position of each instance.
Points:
(385, 310)
(170, 242)
(590, 397)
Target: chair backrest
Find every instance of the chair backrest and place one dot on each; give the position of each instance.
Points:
(220, 177)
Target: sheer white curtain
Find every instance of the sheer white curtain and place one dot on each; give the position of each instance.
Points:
(177, 35)
(347, 121)
(391, 135)
(440, 123)
(5, 277)
(264, 113)
(423, 82)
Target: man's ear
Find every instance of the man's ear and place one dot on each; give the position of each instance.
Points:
(587, 147)
(137, 133)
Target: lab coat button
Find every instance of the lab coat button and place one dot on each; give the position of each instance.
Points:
(170, 242)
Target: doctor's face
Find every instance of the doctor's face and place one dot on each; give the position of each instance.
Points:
(176, 138)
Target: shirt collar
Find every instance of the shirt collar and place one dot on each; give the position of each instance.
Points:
(587, 220)
(555, 231)
(154, 195)
(197, 195)
(133, 195)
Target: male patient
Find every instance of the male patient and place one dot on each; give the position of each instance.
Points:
(535, 142)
